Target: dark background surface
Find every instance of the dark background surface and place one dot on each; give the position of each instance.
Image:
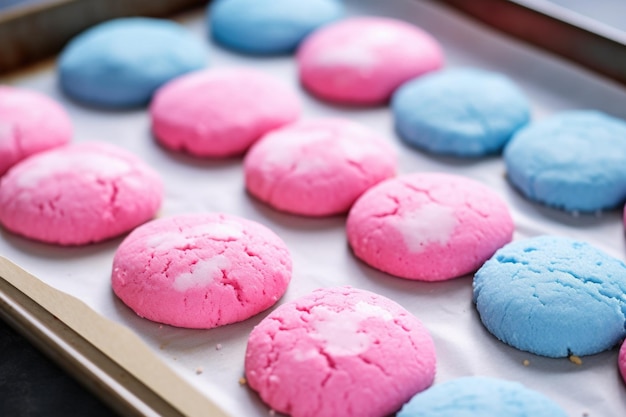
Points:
(33, 386)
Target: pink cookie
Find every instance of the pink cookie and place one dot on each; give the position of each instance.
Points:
(428, 226)
(339, 352)
(318, 167)
(622, 361)
(29, 123)
(362, 60)
(78, 194)
(201, 270)
(220, 112)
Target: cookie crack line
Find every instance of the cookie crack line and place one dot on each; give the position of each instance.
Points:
(394, 212)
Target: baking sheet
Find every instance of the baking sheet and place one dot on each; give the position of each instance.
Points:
(212, 360)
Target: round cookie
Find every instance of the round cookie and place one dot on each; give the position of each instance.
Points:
(462, 112)
(480, 397)
(553, 296)
(317, 167)
(574, 160)
(78, 194)
(339, 352)
(428, 226)
(30, 122)
(269, 26)
(201, 270)
(220, 112)
(120, 63)
(362, 60)
(621, 361)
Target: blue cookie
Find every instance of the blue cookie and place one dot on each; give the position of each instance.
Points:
(269, 26)
(120, 63)
(574, 161)
(553, 296)
(460, 112)
(480, 397)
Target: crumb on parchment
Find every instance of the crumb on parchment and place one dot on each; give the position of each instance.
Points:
(525, 362)
(218, 346)
(199, 370)
(243, 381)
(575, 359)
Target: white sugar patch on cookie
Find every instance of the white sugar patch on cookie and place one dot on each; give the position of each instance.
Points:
(356, 151)
(203, 273)
(430, 224)
(340, 329)
(369, 310)
(220, 231)
(288, 145)
(353, 56)
(103, 165)
(6, 132)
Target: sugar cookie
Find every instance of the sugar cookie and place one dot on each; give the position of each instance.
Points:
(428, 226)
(339, 352)
(120, 63)
(317, 167)
(553, 296)
(480, 397)
(220, 112)
(269, 26)
(580, 167)
(30, 122)
(201, 270)
(79, 194)
(362, 60)
(462, 112)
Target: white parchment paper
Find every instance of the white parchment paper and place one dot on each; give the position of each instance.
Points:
(212, 360)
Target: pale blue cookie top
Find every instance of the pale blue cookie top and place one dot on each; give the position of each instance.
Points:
(574, 160)
(462, 112)
(480, 397)
(553, 296)
(120, 63)
(269, 26)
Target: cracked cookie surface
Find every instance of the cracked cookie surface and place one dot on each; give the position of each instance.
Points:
(574, 161)
(463, 112)
(339, 352)
(201, 270)
(553, 296)
(428, 226)
(317, 167)
(79, 194)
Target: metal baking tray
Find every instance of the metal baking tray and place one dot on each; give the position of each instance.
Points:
(161, 370)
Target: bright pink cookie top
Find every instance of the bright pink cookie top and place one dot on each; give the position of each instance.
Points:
(30, 122)
(317, 167)
(362, 60)
(428, 226)
(220, 112)
(201, 270)
(339, 352)
(79, 194)
(621, 362)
